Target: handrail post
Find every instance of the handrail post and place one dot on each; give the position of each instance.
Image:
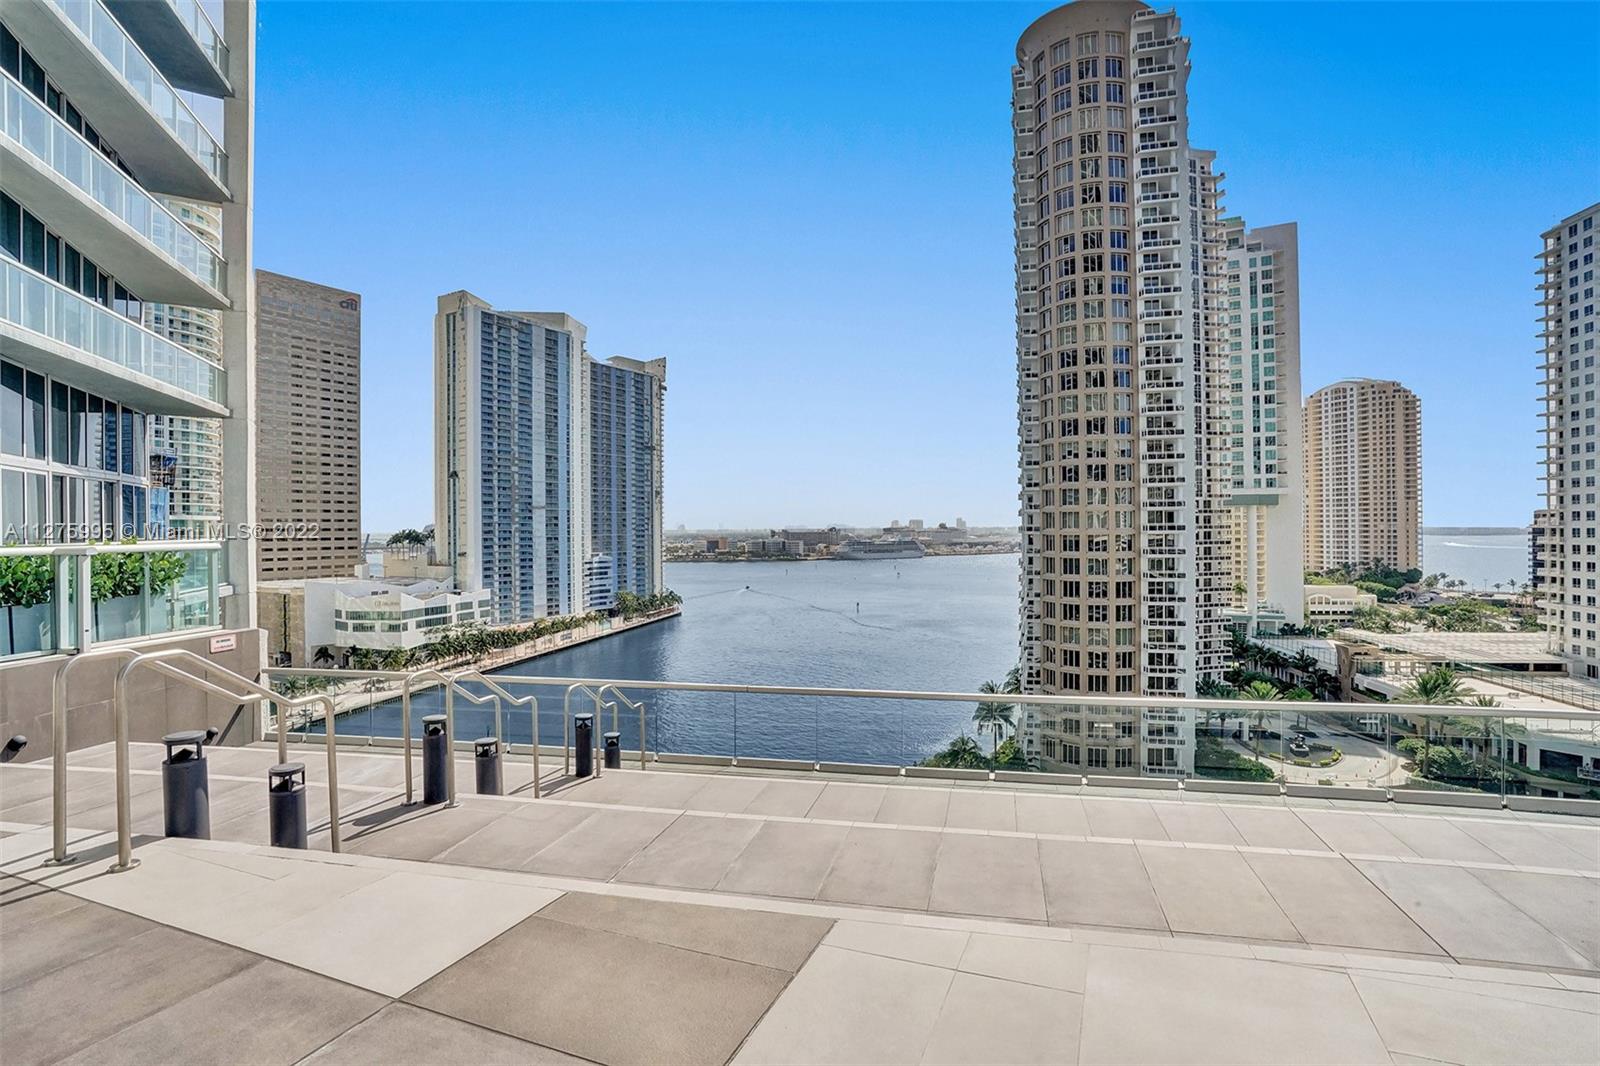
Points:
(119, 713)
(535, 702)
(329, 713)
(450, 743)
(405, 732)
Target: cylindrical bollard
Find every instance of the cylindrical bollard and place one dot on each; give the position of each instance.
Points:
(185, 785)
(286, 805)
(583, 739)
(486, 763)
(613, 746)
(435, 752)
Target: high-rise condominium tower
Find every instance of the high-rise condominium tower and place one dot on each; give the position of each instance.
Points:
(1119, 267)
(101, 146)
(511, 456)
(1363, 448)
(625, 427)
(1261, 455)
(1568, 320)
(308, 366)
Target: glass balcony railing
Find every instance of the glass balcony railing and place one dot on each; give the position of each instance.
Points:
(192, 15)
(135, 591)
(107, 37)
(1379, 751)
(41, 306)
(32, 125)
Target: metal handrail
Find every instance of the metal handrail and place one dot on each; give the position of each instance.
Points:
(499, 727)
(405, 724)
(639, 706)
(58, 737)
(566, 728)
(515, 701)
(253, 692)
(1110, 702)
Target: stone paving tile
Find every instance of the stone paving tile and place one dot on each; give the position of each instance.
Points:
(1123, 819)
(673, 1005)
(415, 832)
(1358, 834)
(1582, 842)
(79, 1004)
(400, 1033)
(971, 809)
(1054, 815)
(516, 836)
(1273, 828)
(1040, 1024)
(988, 875)
(763, 938)
(785, 859)
(268, 1013)
(1472, 1024)
(42, 930)
(848, 1007)
(914, 806)
(848, 803)
(1567, 906)
(1330, 902)
(1089, 883)
(785, 799)
(1436, 838)
(883, 868)
(730, 795)
(693, 852)
(1276, 1013)
(600, 845)
(1468, 918)
(1521, 844)
(1197, 823)
(1214, 892)
(909, 943)
(1058, 964)
(396, 932)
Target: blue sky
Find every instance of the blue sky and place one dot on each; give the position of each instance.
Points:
(806, 208)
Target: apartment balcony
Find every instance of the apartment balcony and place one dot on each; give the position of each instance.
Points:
(1157, 94)
(180, 38)
(97, 64)
(92, 204)
(52, 329)
(1154, 44)
(1147, 121)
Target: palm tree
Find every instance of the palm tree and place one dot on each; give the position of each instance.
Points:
(992, 716)
(1304, 662)
(1266, 692)
(1238, 644)
(1436, 687)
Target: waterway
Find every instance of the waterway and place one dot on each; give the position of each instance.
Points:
(1481, 561)
(939, 624)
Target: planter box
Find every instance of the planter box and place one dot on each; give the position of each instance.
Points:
(27, 629)
(117, 619)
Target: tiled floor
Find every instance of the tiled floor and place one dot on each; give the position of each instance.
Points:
(225, 952)
(701, 917)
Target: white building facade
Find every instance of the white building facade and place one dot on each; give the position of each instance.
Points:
(1567, 302)
(1119, 269)
(1262, 458)
(625, 469)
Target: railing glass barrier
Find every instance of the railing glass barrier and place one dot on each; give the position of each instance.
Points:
(41, 306)
(1319, 745)
(29, 123)
(135, 591)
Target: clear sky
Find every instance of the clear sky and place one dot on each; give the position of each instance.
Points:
(807, 209)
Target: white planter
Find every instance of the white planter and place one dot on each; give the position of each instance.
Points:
(117, 618)
(27, 629)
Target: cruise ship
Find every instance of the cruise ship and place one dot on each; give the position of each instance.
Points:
(896, 548)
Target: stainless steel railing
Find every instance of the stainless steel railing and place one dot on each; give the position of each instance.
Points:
(516, 701)
(614, 690)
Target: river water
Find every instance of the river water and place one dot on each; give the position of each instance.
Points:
(1480, 561)
(940, 624)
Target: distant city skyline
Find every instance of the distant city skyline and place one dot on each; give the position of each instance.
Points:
(841, 335)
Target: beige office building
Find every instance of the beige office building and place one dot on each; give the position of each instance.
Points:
(308, 365)
(1363, 469)
(1568, 327)
(1119, 255)
(1261, 454)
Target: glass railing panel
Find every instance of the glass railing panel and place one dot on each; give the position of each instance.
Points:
(45, 136)
(205, 34)
(41, 306)
(105, 33)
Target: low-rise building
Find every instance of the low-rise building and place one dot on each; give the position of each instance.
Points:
(319, 622)
(769, 546)
(1335, 604)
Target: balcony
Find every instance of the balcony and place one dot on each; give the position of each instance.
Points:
(94, 61)
(97, 208)
(181, 39)
(52, 329)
